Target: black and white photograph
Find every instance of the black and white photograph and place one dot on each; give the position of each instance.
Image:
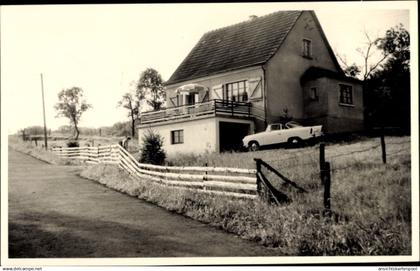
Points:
(209, 133)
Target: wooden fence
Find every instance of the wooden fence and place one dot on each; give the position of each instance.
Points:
(91, 155)
(234, 182)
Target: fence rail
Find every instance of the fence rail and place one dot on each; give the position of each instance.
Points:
(213, 107)
(234, 182)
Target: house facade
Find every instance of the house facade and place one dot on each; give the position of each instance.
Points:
(239, 78)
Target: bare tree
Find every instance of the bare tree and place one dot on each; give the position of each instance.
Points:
(371, 48)
(385, 47)
(132, 102)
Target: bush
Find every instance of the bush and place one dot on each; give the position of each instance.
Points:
(151, 149)
(71, 144)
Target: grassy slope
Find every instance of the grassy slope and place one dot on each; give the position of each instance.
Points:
(36, 151)
(372, 200)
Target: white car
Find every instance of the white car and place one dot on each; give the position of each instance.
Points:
(276, 133)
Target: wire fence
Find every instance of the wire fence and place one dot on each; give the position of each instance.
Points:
(299, 160)
(308, 165)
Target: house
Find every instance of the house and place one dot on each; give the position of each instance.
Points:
(239, 78)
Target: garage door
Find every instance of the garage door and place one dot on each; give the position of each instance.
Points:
(231, 135)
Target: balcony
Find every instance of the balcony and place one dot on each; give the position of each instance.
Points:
(211, 108)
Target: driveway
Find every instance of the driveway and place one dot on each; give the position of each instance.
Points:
(55, 213)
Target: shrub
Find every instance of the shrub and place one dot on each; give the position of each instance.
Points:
(151, 149)
(71, 144)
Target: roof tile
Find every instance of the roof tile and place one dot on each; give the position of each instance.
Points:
(241, 45)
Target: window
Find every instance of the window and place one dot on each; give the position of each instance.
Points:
(236, 91)
(275, 127)
(346, 94)
(313, 94)
(292, 124)
(177, 137)
(306, 48)
(191, 98)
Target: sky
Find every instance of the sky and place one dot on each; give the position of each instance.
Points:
(104, 48)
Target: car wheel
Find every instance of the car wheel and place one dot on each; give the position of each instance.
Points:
(295, 141)
(254, 146)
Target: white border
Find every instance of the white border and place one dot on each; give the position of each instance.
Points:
(412, 6)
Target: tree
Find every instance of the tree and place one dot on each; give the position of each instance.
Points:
(395, 42)
(150, 84)
(34, 130)
(71, 105)
(121, 129)
(352, 70)
(132, 102)
(385, 74)
(151, 150)
(387, 89)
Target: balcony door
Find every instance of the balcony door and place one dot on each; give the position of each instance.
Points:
(190, 98)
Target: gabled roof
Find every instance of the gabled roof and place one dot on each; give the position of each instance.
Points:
(313, 73)
(242, 45)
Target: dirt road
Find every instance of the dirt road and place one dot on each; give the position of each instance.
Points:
(54, 213)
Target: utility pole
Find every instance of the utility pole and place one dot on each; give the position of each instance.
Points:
(43, 107)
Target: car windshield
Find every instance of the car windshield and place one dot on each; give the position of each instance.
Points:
(293, 124)
(275, 127)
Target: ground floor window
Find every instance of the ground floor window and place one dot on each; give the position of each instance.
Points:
(177, 136)
(346, 94)
(313, 94)
(236, 91)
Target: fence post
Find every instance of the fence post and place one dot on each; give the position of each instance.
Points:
(215, 107)
(231, 107)
(321, 161)
(205, 177)
(383, 147)
(258, 167)
(327, 187)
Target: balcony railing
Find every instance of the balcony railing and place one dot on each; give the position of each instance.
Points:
(213, 107)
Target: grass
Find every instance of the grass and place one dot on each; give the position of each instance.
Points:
(38, 152)
(371, 201)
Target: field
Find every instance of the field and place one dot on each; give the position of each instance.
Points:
(371, 201)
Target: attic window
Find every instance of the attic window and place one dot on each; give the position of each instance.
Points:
(306, 48)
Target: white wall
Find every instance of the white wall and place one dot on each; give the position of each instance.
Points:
(199, 136)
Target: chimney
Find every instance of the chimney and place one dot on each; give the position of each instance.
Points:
(253, 17)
